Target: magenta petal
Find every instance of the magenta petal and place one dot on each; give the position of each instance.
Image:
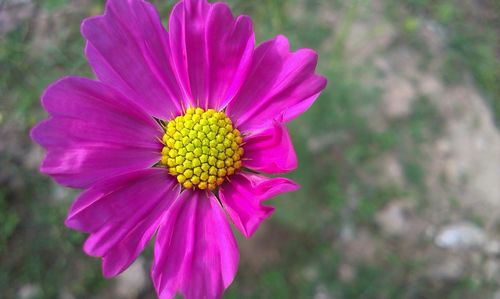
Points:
(214, 51)
(242, 199)
(128, 49)
(279, 83)
(121, 214)
(230, 45)
(195, 251)
(94, 133)
(80, 168)
(270, 150)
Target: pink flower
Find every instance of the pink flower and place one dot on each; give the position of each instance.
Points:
(163, 140)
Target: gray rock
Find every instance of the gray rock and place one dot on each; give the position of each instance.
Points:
(29, 291)
(132, 282)
(393, 219)
(322, 293)
(460, 236)
(492, 247)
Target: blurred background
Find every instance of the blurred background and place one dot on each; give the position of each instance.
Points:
(399, 157)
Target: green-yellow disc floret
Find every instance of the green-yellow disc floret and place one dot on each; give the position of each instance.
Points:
(202, 148)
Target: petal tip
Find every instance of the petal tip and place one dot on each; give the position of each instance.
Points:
(34, 133)
(290, 185)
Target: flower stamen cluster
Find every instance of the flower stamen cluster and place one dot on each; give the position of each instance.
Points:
(201, 148)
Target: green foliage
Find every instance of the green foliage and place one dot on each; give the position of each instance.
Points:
(54, 4)
(472, 47)
(9, 220)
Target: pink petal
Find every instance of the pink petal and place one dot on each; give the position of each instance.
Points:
(279, 82)
(270, 150)
(195, 251)
(128, 49)
(242, 199)
(212, 52)
(94, 133)
(121, 214)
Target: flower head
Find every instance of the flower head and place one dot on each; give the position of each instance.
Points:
(173, 137)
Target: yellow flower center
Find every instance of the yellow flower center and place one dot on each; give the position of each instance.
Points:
(202, 148)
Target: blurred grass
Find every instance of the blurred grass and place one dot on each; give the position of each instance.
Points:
(473, 40)
(35, 247)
